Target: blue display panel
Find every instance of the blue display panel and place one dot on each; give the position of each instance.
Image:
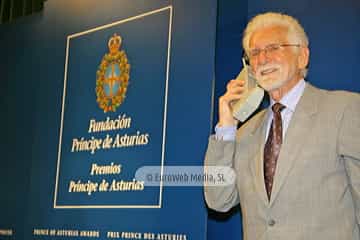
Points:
(114, 112)
(104, 89)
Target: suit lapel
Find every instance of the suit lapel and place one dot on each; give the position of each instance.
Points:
(296, 134)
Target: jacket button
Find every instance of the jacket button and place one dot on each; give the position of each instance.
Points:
(271, 222)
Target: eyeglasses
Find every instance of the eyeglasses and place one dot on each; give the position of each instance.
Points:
(269, 49)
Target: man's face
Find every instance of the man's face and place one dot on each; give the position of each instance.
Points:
(278, 68)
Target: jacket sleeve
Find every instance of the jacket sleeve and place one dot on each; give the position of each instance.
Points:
(220, 154)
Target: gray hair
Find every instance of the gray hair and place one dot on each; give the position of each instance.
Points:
(296, 33)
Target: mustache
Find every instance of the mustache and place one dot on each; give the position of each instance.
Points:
(267, 67)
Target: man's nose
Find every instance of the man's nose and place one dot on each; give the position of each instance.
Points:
(262, 58)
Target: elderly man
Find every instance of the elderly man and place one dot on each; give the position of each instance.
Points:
(297, 163)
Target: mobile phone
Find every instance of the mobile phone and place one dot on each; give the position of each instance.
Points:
(252, 95)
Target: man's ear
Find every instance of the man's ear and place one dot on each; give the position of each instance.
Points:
(303, 58)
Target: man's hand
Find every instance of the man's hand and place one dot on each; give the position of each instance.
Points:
(234, 91)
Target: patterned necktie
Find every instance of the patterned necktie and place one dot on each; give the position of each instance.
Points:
(272, 147)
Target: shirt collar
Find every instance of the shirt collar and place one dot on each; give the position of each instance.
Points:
(291, 99)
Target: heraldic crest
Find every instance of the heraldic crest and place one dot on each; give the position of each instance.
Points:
(112, 76)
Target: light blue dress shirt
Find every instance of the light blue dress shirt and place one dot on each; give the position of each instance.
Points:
(290, 100)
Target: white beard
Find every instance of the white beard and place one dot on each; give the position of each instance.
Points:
(270, 76)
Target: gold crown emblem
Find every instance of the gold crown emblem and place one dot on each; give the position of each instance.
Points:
(114, 43)
(112, 76)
